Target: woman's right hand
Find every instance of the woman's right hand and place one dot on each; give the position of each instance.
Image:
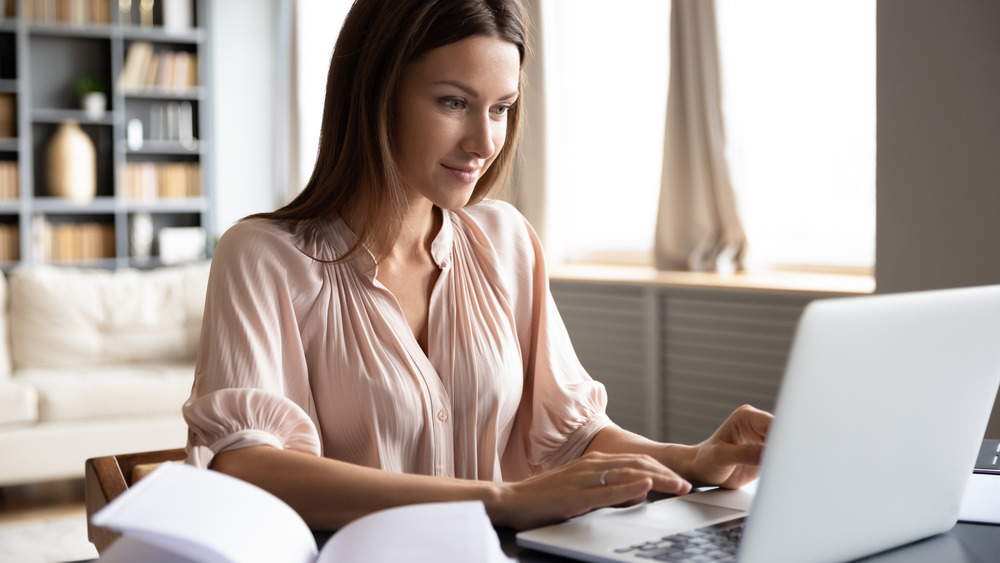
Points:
(595, 480)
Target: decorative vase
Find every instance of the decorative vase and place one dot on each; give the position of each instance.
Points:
(141, 237)
(177, 16)
(71, 164)
(94, 104)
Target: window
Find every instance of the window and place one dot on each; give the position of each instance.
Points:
(799, 104)
(606, 67)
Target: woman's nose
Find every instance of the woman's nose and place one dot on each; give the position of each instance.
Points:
(478, 138)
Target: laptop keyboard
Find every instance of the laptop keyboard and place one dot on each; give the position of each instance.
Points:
(718, 542)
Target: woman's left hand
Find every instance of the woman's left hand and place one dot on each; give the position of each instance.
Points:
(730, 458)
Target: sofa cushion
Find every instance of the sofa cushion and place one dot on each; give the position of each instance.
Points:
(109, 391)
(18, 403)
(67, 317)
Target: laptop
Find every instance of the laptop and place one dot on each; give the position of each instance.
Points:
(878, 424)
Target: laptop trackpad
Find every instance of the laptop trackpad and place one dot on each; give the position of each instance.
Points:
(608, 528)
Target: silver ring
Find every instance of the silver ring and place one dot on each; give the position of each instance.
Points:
(604, 478)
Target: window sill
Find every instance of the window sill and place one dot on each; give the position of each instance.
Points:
(783, 282)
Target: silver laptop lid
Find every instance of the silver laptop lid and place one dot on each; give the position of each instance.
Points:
(878, 422)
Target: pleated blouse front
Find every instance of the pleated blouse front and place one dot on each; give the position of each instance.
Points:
(317, 357)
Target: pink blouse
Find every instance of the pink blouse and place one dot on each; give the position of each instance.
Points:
(316, 357)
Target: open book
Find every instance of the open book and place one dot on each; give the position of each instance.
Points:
(180, 514)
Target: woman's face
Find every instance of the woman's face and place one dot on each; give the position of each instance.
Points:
(451, 117)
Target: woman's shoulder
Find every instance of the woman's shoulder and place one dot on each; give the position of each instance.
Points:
(254, 231)
(256, 240)
(501, 222)
(505, 229)
(495, 211)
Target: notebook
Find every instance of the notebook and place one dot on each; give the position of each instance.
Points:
(878, 423)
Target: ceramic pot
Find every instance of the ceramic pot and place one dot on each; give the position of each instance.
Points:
(71, 164)
(94, 104)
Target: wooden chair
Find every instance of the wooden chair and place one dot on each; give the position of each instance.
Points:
(107, 477)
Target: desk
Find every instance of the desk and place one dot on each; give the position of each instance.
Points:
(965, 543)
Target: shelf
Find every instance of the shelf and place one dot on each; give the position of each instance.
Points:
(102, 263)
(60, 29)
(46, 58)
(172, 148)
(167, 205)
(101, 204)
(78, 115)
(190, 94)
(160, 35)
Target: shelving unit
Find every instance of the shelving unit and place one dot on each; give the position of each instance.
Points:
(42, 55)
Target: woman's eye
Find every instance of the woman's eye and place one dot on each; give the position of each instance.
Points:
(453, 103)
(501, 111)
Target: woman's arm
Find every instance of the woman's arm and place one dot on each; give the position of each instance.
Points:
(329, 493)
(729, 458)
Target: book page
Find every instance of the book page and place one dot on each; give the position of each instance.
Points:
(443, 532)
(208, 517)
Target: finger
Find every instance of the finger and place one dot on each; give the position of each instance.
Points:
(740, 477)
(739, 454)
(758, 422)
(622, 493)
(662, 481)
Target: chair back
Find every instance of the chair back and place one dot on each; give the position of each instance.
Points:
(109, 476)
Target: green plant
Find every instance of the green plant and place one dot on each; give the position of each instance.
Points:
(87, 84)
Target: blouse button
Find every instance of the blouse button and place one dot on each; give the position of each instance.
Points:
(442, 415)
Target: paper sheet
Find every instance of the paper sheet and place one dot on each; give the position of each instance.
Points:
(981, 503)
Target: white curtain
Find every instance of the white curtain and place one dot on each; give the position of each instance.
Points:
(527, 188)
(307, 31)
(287, 181)
(698, 227)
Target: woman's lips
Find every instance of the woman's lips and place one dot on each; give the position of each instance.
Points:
(467, 175)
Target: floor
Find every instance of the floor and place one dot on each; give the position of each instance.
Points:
(43, 500)
(44, 523)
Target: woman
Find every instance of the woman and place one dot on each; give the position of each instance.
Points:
(388, 337)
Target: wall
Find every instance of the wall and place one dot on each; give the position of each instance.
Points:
(938, 178)
(938, 144)
(243, 42)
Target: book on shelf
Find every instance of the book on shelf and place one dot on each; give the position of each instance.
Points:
(10, 242)
(76, 12)
(76, 241)
(147, 181)
(8, 115)
(9, 178)
(179, 514)
(149, 69)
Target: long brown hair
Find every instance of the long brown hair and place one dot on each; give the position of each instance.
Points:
(355, 164)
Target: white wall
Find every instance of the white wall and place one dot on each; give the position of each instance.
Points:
(243, 43)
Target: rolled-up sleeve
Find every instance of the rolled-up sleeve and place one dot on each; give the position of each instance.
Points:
(251, 377)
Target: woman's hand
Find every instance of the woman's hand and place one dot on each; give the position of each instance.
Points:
(730, 458)
(595, 480)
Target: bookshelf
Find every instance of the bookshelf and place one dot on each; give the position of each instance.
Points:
(152, 143)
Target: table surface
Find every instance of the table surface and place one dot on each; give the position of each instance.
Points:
(965, 543)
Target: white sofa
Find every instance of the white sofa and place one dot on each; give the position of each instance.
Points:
(93, 363)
